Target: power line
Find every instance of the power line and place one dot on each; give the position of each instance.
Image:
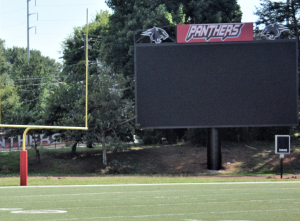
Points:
(12, 11)
(58, 20)
(16, 37)
(33, 90)
(28, 90)
(21, 72)
(25, 85)
(13, 25)
(24, 79)
(74, 5)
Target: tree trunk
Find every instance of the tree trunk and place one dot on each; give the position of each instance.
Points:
(37, 156)
(74, 148)
(103, 149)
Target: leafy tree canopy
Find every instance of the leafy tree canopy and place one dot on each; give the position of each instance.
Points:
(283, 12)
(132, 15)
(108, 111)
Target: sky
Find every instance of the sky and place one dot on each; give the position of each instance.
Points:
(56, 20)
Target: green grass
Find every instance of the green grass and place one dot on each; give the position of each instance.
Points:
(41, 181)
(11, 161)
(152, 202)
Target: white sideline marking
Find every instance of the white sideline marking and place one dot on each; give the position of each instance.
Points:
(82, 194)
(9, 209)
(153, 184)
(38, 211)
(174, 214)
(192, 220)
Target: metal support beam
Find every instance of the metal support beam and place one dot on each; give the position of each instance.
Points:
(214, 155)
(28, 52)
(28, 28)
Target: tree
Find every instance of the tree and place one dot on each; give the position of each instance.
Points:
(284, 13)
(32, 77)
(130, 16)
(24, 87)
(10, 101)
(61, 104)
(9, 98)
(109, 113)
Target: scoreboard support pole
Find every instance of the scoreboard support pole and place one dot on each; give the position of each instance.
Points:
(282, 146)
(281, 164)
(214, 155)
(281, 168)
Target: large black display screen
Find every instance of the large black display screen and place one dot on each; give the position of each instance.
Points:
(217, 84)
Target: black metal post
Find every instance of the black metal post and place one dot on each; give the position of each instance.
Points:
(281, 167)
(214, 155)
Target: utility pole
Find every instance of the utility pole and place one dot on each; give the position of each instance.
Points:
(28, 51)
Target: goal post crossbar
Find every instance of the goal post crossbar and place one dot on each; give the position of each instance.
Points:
(42, 127)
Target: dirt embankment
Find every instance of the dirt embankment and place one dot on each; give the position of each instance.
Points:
(237, 159)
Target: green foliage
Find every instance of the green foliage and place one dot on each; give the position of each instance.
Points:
(26, 84)
(148, 137)
(10, 100)
(32, 77)
(130, 16)
(237, 134)
(109, 114)
(270, 12)
(196, 136)
(248, 134)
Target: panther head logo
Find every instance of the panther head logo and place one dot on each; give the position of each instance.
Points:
(273, 31)
(156, 34)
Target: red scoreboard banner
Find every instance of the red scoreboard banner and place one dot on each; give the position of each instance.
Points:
(216, 32)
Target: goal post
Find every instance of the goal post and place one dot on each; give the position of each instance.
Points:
(23, 152)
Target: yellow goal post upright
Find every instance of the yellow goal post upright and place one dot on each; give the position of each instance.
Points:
(23, 152)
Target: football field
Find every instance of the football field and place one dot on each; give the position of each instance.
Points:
(129, 202)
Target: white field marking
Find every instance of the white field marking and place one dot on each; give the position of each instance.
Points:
(140, 205)
(153, 184)
(283, 188)
(224, 194)
(38, 211)
(165, 204)
(116, 199)
(126, 192)
(169, 204)
(82, 194)
(174, 214)
(9, 209)
(192, 220)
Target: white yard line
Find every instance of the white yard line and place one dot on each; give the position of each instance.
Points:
(153, 184)
(173, 214)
